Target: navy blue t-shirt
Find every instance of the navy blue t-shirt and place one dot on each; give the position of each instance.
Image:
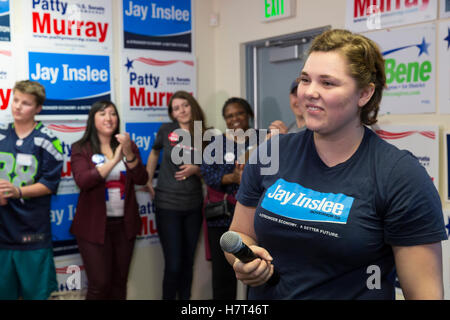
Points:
(25, 224)
(330, 230)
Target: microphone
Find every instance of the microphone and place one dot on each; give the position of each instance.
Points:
(231, 242)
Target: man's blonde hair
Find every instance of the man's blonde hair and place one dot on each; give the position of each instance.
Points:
(31, 87)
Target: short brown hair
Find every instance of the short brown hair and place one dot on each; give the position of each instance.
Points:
(365, 61)
(31, 87)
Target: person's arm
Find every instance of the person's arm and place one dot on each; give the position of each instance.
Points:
(258, 271)
(107, 167)
(85, 175)
(278, 125)
(127, 150)
(152, 162)
(187, 170)
(233, 177)
(31, 191)
(419, 270)
(136, 170)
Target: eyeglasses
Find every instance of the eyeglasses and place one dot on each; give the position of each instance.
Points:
(232, 115)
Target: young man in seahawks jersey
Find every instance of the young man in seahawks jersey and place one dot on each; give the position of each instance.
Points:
(30, 169)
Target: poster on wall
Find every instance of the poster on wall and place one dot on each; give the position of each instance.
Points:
(149, 233)
(5, 21)
(410, 66)
(365, 15)
(444, 66)
(157, 25)
(68, 24)
(444, 8)
(63, 204)
(144, 135)
(7, 80)
(149, 79)
(71, 276)
(73, 82)
(421, 141)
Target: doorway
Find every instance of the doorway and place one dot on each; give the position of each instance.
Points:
(271, 66)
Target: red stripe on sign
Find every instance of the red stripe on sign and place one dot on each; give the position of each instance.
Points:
(399, 135)
(161, 63)
(5, 53)
(63, 270)
(64, 128)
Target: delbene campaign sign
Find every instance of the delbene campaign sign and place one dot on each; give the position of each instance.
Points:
(421, 141)
(149, 79)
(158, 25)
(410, 65)
(84, 24)
(5, 22)
(366, 15)
(7, 80)
(73, 82)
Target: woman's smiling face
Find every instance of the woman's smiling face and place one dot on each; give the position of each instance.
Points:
(329, 96)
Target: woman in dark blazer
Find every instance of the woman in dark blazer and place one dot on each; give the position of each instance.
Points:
(106, 165)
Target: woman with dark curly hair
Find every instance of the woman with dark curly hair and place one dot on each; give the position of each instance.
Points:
(223, 178)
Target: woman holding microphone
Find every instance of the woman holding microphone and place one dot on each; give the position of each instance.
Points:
(347, 211)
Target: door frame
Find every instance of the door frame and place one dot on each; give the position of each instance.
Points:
(251, 60)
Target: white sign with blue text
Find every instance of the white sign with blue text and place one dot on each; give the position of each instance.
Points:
(69, 24)
(149, 79)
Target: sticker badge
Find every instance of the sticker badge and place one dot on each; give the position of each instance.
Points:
(294, 201)
(98, 159)
(173, 137)
(229, 157)
(24, 159)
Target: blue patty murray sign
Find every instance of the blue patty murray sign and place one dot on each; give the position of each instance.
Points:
(158, 25)
(72, 81)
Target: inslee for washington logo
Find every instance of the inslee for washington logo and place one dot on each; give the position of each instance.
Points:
(297, 202)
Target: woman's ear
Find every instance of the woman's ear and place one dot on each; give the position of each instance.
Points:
(366, 94)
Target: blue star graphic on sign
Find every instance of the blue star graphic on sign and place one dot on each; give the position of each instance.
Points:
(129, 64)
(448, 39)
(423, 47)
